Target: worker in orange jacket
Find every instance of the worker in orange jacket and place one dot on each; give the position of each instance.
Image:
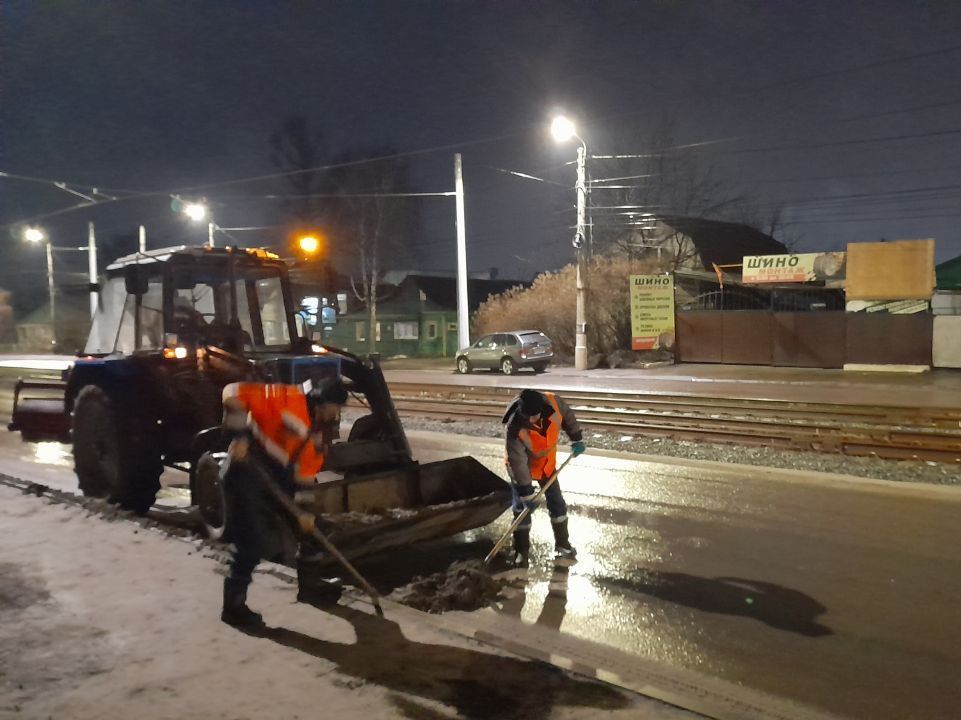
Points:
(534, 421)
(281, 433)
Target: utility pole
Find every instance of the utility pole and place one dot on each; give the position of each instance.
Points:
(92, 268)
(51, 291)
(580, 236)
(210, 234)
(463, 323)
(143, 240)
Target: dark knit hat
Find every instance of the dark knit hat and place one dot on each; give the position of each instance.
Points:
(532, 403)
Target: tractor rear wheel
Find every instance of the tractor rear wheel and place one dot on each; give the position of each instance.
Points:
(207, 490)
(115, 452)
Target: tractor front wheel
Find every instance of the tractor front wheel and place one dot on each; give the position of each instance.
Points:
(115, 452)
(208, 494)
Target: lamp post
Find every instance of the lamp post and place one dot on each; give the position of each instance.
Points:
(36, 236)
(563, 130)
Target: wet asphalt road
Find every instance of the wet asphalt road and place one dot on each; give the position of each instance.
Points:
(842, 596)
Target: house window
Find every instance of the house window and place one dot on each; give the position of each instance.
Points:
(451, 327)
(405, 331)
(360, 330)
(430, 329)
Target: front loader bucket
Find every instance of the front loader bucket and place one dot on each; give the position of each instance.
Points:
(39, 411)
(368, 514)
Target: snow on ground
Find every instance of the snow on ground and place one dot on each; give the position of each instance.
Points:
(105, 619)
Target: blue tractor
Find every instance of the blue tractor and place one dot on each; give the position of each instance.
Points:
(173, 327)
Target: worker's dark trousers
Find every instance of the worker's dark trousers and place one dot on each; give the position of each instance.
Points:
(255, 521)
(523, 496)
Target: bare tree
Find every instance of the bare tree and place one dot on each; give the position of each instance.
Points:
(372, 220)
(297, 149)
(634, 197)
(354, 199)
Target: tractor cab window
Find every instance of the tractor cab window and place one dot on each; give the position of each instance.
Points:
(195, 309)
(249, 315)
(262, 308)
(120, 316)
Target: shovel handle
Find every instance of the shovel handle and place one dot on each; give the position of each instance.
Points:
(525, 512)
(296, 512)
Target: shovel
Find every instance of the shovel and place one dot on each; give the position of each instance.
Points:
(526, 511)
(291, 507)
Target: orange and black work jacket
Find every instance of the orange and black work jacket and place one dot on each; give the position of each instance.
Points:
(279, 419)
(532, 448)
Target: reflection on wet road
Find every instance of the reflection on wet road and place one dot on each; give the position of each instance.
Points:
(838, 595)
(842, 596)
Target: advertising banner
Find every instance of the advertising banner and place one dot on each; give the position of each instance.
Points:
(803, 267)
(652, 312)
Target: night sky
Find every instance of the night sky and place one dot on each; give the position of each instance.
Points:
(845, 114)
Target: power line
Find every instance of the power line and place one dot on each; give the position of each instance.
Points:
(840, 143)
(338, 196)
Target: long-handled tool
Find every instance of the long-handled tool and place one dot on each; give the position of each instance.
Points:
(526, 511)
(291, 507)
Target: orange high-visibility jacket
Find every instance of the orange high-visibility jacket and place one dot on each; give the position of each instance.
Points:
(279, 419)
(531, 453)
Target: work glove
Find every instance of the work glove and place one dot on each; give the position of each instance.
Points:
(306, 521)
(578, 447)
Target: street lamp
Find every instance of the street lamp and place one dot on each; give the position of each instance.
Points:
(35, 235)
(563, 129)
(309, 244)
(196, 212)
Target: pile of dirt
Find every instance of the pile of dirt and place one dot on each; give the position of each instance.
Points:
(466, 585)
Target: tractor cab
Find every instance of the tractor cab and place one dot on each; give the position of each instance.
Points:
(176, 300)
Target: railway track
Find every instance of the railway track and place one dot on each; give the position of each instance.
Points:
(895, 433)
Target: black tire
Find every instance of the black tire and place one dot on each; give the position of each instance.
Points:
(463, 365)
(539, 368)
(115, 452)
(207, 493)
(507, 366)
(366, 427)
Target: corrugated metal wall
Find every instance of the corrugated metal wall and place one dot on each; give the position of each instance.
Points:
(803, 339)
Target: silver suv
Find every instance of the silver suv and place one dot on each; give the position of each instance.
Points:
(507, 352)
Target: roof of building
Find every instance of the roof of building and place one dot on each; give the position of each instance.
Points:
(948, 274)
(443, 290)
(724, 243)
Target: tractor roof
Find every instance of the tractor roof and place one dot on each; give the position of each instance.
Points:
(162, 255)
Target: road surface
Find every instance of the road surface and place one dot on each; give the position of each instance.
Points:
(839, 595)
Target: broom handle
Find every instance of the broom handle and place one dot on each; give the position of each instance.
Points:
(525, 512)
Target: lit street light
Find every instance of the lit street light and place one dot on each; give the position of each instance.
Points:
(563, 129)
(309, 244)
(195, 211)
(34, 235)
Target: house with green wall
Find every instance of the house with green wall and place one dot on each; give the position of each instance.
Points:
(417, 317)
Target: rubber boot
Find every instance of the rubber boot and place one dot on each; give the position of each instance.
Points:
(562, 541)
(314, 590)
(520, 552)
(235, 610)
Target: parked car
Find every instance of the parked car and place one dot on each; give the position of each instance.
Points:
(507, 352)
